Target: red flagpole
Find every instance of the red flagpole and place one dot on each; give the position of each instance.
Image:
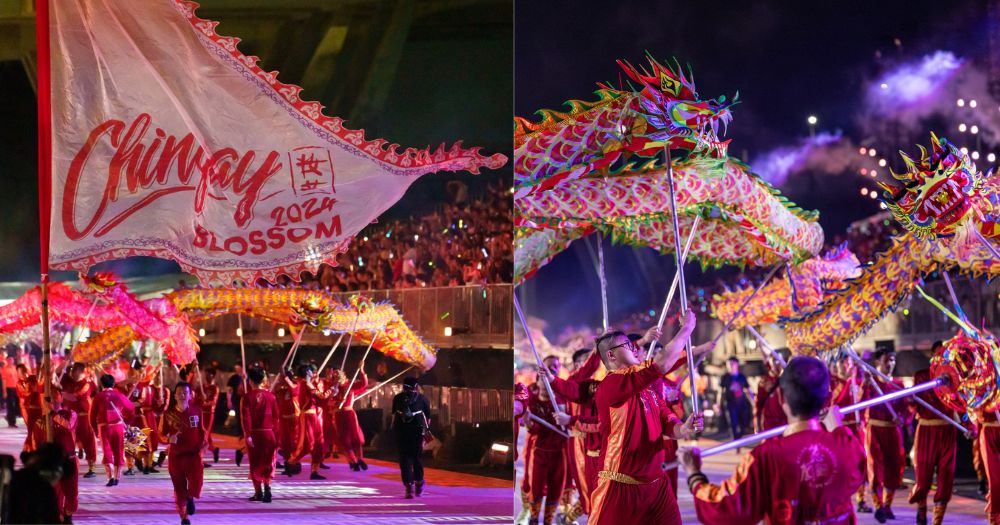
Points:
(44, 187)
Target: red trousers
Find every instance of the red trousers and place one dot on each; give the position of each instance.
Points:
(147, 419)
(670, 447)
(85, 437)
(934, 447)
(329, 431)
(207, 419)
(310, 439)
(989, 448)
(31, 415)
(187, 473)
(113, 444)
(885, 457)
(288, 435)
(577, 471)
(592, 465)
(544, 473)
(262, 454)
(67, 488)
(622, 504)
(350, 439)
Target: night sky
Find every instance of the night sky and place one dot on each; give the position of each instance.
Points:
(787, 59)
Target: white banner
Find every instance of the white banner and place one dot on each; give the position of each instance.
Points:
(169, 142)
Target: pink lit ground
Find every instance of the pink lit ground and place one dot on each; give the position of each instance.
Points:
(961, 510)
(374, 497)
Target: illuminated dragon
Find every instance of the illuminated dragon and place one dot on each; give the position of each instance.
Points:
(799, 291)
(941, 199)
(123, 319)
(744, 221)
(662, 108)
(943, 195)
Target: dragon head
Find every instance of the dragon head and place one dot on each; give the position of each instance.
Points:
(935, 195)
(672, 111)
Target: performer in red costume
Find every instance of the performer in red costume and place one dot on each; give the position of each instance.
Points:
(64, 423)
(161, 401)
(934, 447)
(329, 422)
(182, 427)
(806, 475)
(207, 397)
(110, 411)
(287, 392)
(989, 450)
(632, 486)
(350, 438)
(767, 405)
(29, 391)
(260, 413)
(544, 453)
(141, 396)
(78, 391)
(575, 389)
(884, 439)
(847, 388)
(310, 441)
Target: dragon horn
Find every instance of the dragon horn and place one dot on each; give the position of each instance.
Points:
(923, 153)
(910, 165)
(936, 145)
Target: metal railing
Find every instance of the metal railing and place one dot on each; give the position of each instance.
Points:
(450, 405)
(474, 316)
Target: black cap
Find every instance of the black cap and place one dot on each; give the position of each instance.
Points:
(410, 382)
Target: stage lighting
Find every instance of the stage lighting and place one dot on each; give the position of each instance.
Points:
(201, 332)
(281, 332)
(447, 331)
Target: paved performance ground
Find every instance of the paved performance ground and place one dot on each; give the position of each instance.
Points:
(374, 497)
(961, 510)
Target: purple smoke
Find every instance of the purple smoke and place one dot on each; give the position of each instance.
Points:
(911, 83)
(776, 165)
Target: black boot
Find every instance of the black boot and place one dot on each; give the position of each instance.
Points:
(279, 465)
(362, 464)
(267, 494)
(215, 455)
(190, 507)
(160, 458)
(984, 487)
(111, 482)
(257, 496)
(316, 475)
(90, 474)
(354, 467)
(409, 490)
(324, 466)
(129, 472)
(239, 457)
(420, 487)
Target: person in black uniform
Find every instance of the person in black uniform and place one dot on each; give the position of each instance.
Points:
(411, 418)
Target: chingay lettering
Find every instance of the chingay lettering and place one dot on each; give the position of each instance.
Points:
(143, 166)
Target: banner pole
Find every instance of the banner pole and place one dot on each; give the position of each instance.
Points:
(44, 84)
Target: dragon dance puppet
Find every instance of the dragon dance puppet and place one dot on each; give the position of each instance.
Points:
(744, 221)
(943, 201)
(167, 320)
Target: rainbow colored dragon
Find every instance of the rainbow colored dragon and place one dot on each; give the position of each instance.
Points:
(661, 109)
(941, 199)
